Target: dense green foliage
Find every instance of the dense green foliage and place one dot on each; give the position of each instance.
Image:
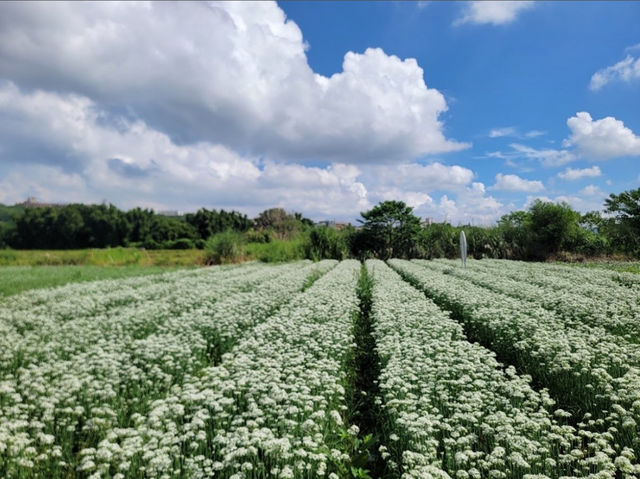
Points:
(390, 229)
(225, 247)
(100, 226)
(545, 230)
(280, 224)
(626, 208)
(208, 223)
(278, 251)
(328, 243)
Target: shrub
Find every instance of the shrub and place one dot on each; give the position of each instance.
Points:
(182, 243)
(326, 243)
(225, 247)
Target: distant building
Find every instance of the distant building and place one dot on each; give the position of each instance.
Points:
(171, 213)
(336, 225)
(327, 223)
(427, 221)
(32, 202)
(341, 225)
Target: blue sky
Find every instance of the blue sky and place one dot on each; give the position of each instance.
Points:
(464, 110)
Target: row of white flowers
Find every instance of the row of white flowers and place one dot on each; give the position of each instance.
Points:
(603, 300)
(61, 322)
(587, 369)
(90, 299)
(72, 383)
(272, 408)
(454, 408)
(587, 275)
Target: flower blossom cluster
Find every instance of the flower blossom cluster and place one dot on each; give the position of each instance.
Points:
(592, 373)
(80, 372)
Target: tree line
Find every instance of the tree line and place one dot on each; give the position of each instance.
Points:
(545, 230)
(79, 226)
(389, 229)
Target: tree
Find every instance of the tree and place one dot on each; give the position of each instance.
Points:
(438, 240)
(282, 224)
(554, 226)
(626, 208)
(626, 205)
(390, 229)
(141, 223)
(67, 226)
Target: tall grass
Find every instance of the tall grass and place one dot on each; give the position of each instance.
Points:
(278, 251)
(102, 257)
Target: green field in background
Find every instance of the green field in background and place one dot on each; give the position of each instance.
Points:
(16, 279)
(620, 266)
(102, 257)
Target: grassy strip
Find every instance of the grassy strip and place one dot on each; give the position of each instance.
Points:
(102, 257)
(619, 266)
(364, 410)
(16, 279)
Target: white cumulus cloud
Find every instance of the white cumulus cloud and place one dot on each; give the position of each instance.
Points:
(572, 174)
(82, 154)
(232, 73)
(134, 164)
(625, 70)
(591, 190)
(492, 12)
(602, 139)
(515, 183)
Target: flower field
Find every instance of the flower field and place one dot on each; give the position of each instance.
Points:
(404, 369)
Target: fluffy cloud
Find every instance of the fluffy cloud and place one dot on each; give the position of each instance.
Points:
(583, 201)
(492, 12)
(590, 198)
(592, 139)
(515, 183)
(602, 139)
(625, 71)
(547, 156)
(230, 73)
(137, 165)
(417, 177)
(470, 205)
(572, 174)
(89, 155)
(591, 190)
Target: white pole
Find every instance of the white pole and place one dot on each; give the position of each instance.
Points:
(463, 249)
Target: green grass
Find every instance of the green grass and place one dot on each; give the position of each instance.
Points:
(102, 257)
(16, 279)
(276, 251)
(620, 266)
